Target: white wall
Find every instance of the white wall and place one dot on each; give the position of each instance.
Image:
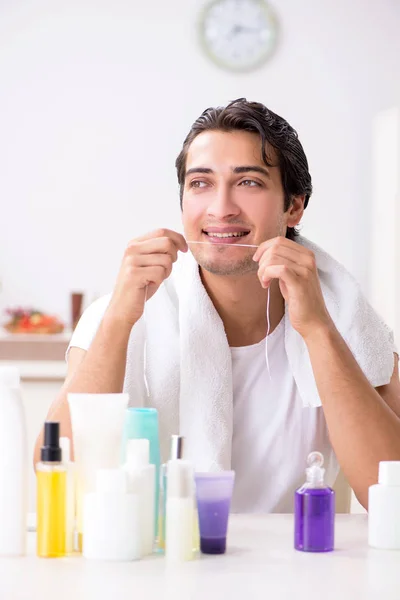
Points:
(96, 97)
(385, 243)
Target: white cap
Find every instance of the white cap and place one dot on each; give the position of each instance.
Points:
(111, 481)
(315, 472)
(180, 479)
(389, 472)
(137, 453)
(65, 445)
(9, 376)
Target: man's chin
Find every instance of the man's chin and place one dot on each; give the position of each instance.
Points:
(224, 268)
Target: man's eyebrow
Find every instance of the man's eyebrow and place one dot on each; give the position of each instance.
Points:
(198, 170)
(254, 168)
(236, 170)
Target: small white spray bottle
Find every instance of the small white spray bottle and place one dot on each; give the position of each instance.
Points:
(179, 511)
(384, 508)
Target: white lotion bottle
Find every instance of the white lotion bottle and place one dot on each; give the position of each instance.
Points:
(110, 517)
(13, 465)
(179, 512)
(65, 445)
(142, 482)
(384, 508)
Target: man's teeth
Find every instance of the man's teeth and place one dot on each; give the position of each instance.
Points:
(228, 235)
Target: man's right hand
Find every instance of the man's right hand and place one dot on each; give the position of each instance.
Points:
(147, 263)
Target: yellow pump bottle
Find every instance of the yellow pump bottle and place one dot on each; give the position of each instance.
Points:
(51, 496)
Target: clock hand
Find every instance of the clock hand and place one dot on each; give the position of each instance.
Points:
(242, 28)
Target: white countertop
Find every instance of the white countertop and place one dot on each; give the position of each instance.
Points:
(38, 369)
(260, 563)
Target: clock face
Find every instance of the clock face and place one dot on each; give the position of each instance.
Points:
(238, 34)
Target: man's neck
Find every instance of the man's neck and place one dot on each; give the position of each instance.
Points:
(241, 303)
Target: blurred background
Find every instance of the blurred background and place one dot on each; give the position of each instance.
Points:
(96, 98)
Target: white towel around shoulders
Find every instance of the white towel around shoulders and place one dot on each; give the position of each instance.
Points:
(365, 333)
(188, 362)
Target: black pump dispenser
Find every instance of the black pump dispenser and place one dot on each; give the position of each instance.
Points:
(51, 450)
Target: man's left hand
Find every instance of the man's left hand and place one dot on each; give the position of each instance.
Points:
(296, 269)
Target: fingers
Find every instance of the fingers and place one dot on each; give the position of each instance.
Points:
(281, 246)
(151, 260)
(283, 253)
(178, 239)
(284, 258)
(141, 265)
(290, 275)
(153, 275)
(147, 262)
(154, 243)
(155, 246)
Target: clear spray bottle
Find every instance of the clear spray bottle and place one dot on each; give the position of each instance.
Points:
(179, 511)
(314, 510)
(176, 453)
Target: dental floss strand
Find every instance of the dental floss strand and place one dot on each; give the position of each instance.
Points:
(268, 329)
(146, 384)
(268, 296)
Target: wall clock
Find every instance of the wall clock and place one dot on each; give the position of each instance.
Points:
(238, 35)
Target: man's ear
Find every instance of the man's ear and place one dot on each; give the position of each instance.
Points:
(295, 211)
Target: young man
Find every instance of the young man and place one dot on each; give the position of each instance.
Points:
(244, 184)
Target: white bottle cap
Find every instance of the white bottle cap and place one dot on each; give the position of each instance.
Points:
(65, 445)
(9, 376)
(389, 472)
(137, 453)
(180, 479)
(315, 471)
(111, 481)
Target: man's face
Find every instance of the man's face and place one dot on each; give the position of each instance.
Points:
(230, 197)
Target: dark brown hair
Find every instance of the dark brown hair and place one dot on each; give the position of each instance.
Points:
(273, 130)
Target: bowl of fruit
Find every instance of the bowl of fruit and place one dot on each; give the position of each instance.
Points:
(32, 321)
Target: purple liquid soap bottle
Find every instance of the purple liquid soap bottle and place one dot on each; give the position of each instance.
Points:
(314, 510)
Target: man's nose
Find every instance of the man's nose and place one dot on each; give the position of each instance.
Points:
(222, 204)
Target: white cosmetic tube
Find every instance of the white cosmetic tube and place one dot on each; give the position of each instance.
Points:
(97, 425)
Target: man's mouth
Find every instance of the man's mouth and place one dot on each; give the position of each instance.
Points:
(225, 235)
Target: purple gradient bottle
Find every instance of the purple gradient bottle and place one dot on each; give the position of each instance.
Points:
(314, 510)
(214, 493)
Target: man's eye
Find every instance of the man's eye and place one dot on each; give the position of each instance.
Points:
(249, 183)
(197, 184)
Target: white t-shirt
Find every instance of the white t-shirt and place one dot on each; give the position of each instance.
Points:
(272, 432)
